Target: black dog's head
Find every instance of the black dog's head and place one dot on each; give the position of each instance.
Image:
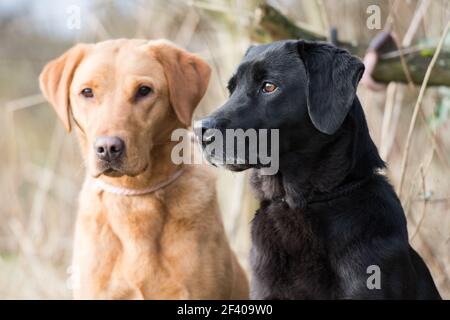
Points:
(304, 89)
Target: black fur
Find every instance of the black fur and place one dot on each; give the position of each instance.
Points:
(327, 215)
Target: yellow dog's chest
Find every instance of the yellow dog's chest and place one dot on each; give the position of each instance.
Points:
(121, 257)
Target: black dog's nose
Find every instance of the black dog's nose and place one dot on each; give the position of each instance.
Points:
(109, 148)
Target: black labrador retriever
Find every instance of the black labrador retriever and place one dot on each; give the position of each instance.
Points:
(329, 226)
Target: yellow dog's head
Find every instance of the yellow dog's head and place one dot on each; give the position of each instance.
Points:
(125, 97)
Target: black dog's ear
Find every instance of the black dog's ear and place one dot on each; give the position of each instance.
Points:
(333, 76)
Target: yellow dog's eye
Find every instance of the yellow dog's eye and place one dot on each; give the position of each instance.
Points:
(143, 91)
(87, 92)
(269, 87)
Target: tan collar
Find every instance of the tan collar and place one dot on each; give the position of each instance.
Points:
(136, 192)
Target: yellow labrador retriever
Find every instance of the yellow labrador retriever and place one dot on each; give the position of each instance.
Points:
(146, 228)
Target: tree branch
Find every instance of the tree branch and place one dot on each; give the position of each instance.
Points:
(272, 25)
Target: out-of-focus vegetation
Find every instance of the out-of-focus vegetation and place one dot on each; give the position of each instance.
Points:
(41, 170)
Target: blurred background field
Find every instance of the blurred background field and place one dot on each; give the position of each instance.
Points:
(41, 170)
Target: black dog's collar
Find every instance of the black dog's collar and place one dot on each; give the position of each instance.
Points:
(343, 190)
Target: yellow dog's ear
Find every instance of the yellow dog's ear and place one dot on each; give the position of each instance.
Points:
(187, 76)
(55, 80)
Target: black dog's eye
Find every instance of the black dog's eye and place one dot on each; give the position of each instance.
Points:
(269, 87)
(87, 93)
(143, 91)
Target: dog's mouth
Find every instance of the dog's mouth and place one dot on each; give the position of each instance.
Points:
(227, 162)
(116, 170)
(112, 173)
(237, 167)
(238, 149)
(227, 159)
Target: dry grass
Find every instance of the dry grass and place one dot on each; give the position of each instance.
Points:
(41, 170)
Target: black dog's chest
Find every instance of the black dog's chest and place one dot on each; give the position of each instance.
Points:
(289, 255)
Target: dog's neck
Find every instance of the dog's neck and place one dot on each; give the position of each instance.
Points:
(343, 161)
(300, 175)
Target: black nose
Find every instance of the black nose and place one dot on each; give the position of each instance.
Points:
(109, 148)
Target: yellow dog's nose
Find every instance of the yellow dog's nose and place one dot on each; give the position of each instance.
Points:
(109, 148)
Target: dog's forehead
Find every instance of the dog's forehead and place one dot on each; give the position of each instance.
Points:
(125, 51)
(106, 58)
(256, 51)
(277, 47)
(275, 53)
